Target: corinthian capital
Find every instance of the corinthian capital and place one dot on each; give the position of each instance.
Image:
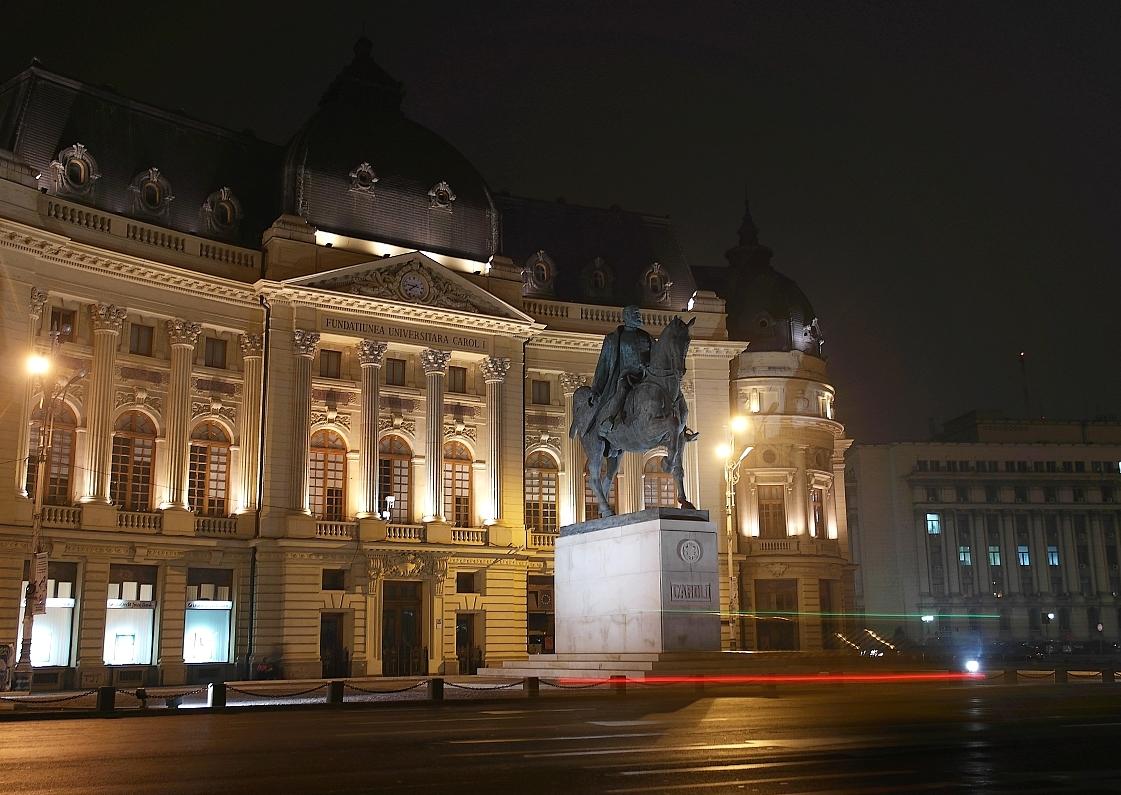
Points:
(370, 353)
(38, 299)
(495, 369)
(107, 317)
(305, 342)
(183, 332)
(252, 345)
(434, 362)
(570, 382)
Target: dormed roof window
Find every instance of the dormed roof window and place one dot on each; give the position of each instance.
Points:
(538, 275)
(598, 279)
(656, 284)
(222, 212)
(441, 196)
(363, 178)
(151, 193)
(74, 172)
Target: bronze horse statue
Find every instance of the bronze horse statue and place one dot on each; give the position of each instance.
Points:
(653, 415)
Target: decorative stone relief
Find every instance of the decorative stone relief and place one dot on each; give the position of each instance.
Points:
(656, 283)
(434, 362)
(212, 386)
(151, 193)
(570, 382)
(252, 345)
(538, 275)
(416, 565)
(138, 396)
(495, 368)
(154, 377)
(330, 417)
(305, 342)
(107, 317)
(215, 407)
(776, 569)
(332, 397)
(396, 422)
(459, 429)
(183, 332)
(38, 299)
(688, 388)
(363, 178)
(410, 281)
(371, 352)
(550, 440)
(441, 196)
(221, 212)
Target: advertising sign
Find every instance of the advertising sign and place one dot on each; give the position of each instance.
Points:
(39, 584)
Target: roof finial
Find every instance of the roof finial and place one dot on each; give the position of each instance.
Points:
(749, 232)
(749, 253)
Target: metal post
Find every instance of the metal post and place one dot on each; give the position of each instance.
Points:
(216, 694)
(106, 698)
(335, 691)
(532, 687)
(619, 684)
(436, 688)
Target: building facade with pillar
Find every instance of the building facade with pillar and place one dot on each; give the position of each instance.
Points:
(324, 427)
(998, 529)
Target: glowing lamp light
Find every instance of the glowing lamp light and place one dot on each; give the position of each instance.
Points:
(723, 451)
(972, 666)
(928, 619)
(1050, 616)
(37, 364)
(738, 423)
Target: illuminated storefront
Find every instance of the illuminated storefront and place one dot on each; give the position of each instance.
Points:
(130, 615)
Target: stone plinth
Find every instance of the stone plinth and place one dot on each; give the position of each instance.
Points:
(644, 582)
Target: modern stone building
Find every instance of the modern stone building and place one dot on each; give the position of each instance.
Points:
(1000, 529)
(320, 394)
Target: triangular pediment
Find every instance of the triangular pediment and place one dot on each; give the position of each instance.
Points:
(413, 278)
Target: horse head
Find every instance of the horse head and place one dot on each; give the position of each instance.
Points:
(672, 346)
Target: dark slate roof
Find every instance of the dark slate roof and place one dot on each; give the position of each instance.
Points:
(359, 120)
(572, 236)
(765, 307)
(42, 113)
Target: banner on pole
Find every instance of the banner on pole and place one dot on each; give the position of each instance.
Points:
(39, 585)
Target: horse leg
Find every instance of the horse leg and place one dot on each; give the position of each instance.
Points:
(593, 450)
(674, 464)
(611, 459)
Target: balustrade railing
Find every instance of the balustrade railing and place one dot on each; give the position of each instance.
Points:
(325, 529)
(404, 532)
(216, 525)
(468, 535)
(62, 516)
(139, 520)
(543, 540)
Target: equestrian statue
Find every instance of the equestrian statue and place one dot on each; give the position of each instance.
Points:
(634, 403)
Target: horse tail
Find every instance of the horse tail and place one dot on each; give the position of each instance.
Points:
(581, 408)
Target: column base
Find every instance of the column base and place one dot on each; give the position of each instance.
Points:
(499, 536)
(23, 510)
(173, 673)
(91, 675)
(300, 525)
(247, 524)
(99, 516)
(438, 532)
(178, 522)
(371, 529)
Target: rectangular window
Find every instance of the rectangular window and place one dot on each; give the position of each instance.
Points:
(817, 500)
(1023, 554)
(772, 512)
(206, 628)
(395, 372)
(963, 494)
(965, 555)
(1052, 555)
(1107, 494)
(1079, 494)
(457, 379)
(62, 324)
(994, 554)
(330, 363)
(215, 355)
(540, 393)
(992, 494)
(334, 580)
(922, 465)
(933, 524)
(1079, 466)
(130, 615)
(1049, 494)
(1020, 494)
(52, 632)
(140, 339)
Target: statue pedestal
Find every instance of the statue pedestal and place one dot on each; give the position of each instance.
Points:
(644, 582)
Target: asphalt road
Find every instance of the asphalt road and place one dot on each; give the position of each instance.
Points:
(850, 738)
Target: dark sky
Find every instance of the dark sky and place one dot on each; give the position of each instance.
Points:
(942, 178)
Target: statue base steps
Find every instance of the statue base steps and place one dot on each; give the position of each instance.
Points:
(642, 666)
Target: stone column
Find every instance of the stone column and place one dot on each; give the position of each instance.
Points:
(1097, 556)
(1012, 567)
(494, 370)
(252, 353)
(690, 459)
(983, 573)
(38, 299)
(1039, 555)
(950, 550)
(922, 550)
(435, 364)
(1069, 557)
(370, 355)
(802, 492)
(304, 345)
(631, 498)
(570, 484)
(106, 320)
(182, 335)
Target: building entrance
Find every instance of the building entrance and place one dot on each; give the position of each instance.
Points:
(467, 649)
(776, 607)
(333, 652)
(402, 639)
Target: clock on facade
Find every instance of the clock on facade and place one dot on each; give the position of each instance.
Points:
(414, 286)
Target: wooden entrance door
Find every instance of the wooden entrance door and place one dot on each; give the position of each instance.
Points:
(333, 652)
(402, 640)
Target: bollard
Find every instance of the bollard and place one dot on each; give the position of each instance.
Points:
(532, 687)
(436, 688)
(1011, 676)
(335, 692)
(142, 697)
(216, 694)
(1109, 676)
(619, 685)
(1060, 675)
(106, 698)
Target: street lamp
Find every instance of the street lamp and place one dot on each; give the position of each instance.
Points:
(725, 451)
(35, 597)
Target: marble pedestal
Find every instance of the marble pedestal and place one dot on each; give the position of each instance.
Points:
(643, 582)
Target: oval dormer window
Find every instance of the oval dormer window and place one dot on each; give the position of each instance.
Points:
(441, 196)
(151, 196)
(74, 172)
(363, 178)
(151, 193)
(77, 173)
(657, 283)
(538, 275)
(222, 212)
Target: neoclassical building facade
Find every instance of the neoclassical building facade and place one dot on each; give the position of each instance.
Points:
(328, 428)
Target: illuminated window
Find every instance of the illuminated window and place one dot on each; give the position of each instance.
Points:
(206, 628)
(208, 482)
(215, 353)
(394, 372)
(541, 492)
(327, 476)
(52, 631)
(965, 555)
(933, 524)
(330, 363)
(1052, 555)
(1023, 555)
(772, 512)
(134, 446)
(394, 465)
(457, 484)
(994, 554)
(817, 505)
(658, 487)
(130, 615)
(60, 458)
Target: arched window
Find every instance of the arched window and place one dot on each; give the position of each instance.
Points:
(208, 488)
(394, 466)
(134, 445)
(60, 458)
(457, 484)
(658, 487)
(541, 493)
(591, 507)
(327, 476)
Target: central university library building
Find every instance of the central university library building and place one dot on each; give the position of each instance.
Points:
(319, 396)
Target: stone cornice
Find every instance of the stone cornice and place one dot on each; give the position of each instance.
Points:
(576, 341)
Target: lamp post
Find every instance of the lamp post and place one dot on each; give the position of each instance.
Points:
(737, 424)
(39, 367)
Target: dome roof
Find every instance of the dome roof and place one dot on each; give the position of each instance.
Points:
(767, 308)
(360, 167)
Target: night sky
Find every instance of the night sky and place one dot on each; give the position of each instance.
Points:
(941, 178)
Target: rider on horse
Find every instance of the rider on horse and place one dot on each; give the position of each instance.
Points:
(622, 364)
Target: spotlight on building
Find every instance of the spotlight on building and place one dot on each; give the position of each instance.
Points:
(972, 666)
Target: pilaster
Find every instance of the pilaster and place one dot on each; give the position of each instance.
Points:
(435, 364)
(252, 352)
(183, 335)
(304, 345)
(107, 320)
(370, 355)
(38, 300)
(570, 478)
(494, 370)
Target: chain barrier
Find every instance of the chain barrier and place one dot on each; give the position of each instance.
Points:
(33, 700)
(421, 683)
(496, 687)
(1040, 675)
(262, 694)
(184, 694)
(573, 687)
